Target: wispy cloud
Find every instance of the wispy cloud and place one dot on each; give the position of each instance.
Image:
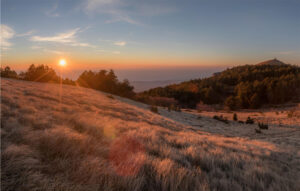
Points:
(123, 18)
(69, 37)
(55, 52)
(83, 44)
(286, 52)
(120, 43)
(127, 10)
(111, 52)
(46, 50)
(6, 34)
(28, 33)
(52, 12)
(114, 8)
(94, 4)
(66, 37)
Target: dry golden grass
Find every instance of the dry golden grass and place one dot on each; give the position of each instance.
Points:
(85, 140)
(280, 117)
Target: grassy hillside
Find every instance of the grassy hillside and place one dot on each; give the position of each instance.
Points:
(249, 86)
(71, 138)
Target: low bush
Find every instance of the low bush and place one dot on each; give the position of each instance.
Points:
(163, 101)
(235, 118)
(110, 97)
(263, 126)
(174, 108)
(249, 120)
(220, 118)
(154, 109)
(171, 107)
(257, 130)
(177, 108)
(216, 117)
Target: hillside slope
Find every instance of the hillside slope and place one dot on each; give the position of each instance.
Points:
(248, 86)
(89, 140)
(273, 62)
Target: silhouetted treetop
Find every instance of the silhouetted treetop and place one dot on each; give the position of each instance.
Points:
(40, 73)
(8, 73)
(105, 81)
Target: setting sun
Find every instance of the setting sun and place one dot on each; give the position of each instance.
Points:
(62, 62)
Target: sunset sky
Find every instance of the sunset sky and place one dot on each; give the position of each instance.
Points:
(149, 33)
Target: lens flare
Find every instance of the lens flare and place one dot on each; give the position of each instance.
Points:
(127, 156)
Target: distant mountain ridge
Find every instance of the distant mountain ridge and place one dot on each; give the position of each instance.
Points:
(248, 86)
(273, 62)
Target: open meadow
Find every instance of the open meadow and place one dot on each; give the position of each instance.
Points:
(71, 138)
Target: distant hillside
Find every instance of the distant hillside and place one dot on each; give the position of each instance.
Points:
(248, 86)
(273, 62)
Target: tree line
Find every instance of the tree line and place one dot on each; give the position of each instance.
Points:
(102, 80)
(249, 86)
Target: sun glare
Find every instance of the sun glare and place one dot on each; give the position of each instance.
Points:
(62, 62)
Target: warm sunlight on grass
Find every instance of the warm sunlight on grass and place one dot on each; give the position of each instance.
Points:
(93, 142)
(62, 62)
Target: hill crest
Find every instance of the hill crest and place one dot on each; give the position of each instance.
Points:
(273, 62)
